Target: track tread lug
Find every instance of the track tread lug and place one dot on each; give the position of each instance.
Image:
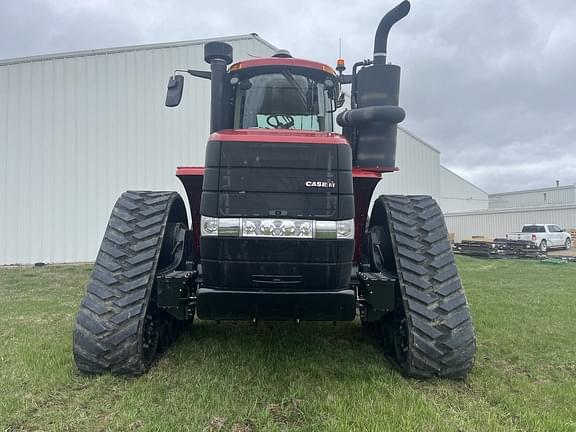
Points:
(144, 244)
(110, 265)
(426, 327)
(153, 210)
(438, 234)
(441, 261)
(121, 226)
(124, 333)
(123, 215)
(420, 283)
(94, 305)
(127, 314)
(138, 270)
(452, 304)
(142, 256)
(103, 275)
(412, 267)
(422, 310)
(154, 231)
(116, 238)
(111, 250)
(99, 290)
(414, 256)
(445, 273)
(156, 200)
(131, 298)
(457, 319)
(449, 287)
(141, 282)
(92, 324)
(155, 220)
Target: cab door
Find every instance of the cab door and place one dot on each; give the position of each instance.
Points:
(555, 234)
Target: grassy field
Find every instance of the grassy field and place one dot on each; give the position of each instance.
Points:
(312, 377)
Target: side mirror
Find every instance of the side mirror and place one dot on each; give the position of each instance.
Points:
(175, 89)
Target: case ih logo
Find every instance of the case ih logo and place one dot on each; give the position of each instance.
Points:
(321, 184)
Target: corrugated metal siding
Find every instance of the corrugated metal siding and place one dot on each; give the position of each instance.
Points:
(419, 166)
(76, 132)
(458, 194)
(549, 196)
(496, 223)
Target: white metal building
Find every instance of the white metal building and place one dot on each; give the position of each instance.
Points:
(495, 223)
(78, 129)
(534, 197)
(508, 211)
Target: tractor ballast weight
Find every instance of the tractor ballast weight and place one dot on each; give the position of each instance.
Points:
(279, 225)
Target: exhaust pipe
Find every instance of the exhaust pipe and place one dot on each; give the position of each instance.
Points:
(381, 37)
(386, 113)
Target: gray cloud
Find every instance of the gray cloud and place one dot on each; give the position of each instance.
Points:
(489, 83)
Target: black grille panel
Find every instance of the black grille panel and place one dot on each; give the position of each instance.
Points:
(289, 205)
(279, 155)
(291, 180)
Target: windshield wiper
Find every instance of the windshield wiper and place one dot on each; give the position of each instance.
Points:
(288, 75)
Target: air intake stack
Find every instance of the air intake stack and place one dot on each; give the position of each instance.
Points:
(218, 55)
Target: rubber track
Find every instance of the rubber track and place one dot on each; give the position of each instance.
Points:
(109, 325)
(440, 329)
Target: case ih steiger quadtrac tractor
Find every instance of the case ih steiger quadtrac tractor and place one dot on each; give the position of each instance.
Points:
(279, 225)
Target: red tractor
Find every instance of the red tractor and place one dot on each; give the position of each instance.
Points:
(279, 225)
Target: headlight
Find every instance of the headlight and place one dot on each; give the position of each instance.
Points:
(282, 228)
(325, 229)
(289, 228)
(229, 227)
(208, 226)
(345, 229)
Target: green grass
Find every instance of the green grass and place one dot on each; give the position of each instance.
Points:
(312, 377)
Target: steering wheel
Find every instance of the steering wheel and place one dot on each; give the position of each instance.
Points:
(280, 121)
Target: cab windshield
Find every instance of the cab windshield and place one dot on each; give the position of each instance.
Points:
(284, 100)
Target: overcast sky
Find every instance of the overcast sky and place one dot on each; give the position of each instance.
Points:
(489, 83)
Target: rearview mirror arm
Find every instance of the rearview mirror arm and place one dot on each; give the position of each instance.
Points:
(199, 74)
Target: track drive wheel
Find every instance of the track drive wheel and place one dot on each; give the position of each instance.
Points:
(118, 328)
(430, 333)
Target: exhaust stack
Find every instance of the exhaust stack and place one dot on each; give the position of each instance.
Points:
(381, 37)
(370, 124)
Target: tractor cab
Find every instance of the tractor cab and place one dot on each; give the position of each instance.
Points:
(283, 93)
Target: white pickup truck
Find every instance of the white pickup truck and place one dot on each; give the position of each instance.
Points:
(544, 235)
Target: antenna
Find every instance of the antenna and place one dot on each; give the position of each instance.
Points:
(339, 47)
